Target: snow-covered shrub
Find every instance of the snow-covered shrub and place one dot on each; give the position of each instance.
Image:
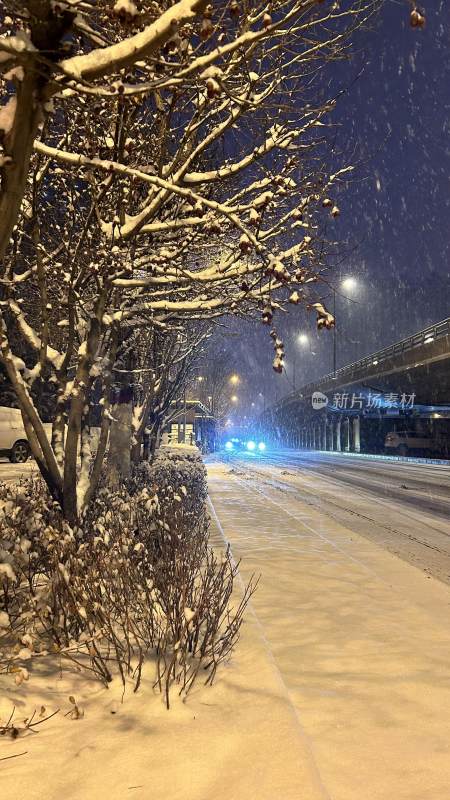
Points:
(64, 589)
(137, 582)
(177, 475)
(192, 626)
(31, 527)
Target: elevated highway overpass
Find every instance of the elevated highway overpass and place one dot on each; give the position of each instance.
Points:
(404, 386)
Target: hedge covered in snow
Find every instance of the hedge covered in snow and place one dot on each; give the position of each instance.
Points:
(179, 476)
(137, 586)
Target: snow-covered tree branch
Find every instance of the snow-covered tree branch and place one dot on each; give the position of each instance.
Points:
(161, 166)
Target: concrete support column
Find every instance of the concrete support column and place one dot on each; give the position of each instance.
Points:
(347, 444)
(338, 434)
(330, 435)
(324, 434)
(357, 434)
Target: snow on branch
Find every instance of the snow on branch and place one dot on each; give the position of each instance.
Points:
(32, 338)
(104, 60)
(77, 159)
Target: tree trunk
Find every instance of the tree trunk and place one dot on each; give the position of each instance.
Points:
(136, 451)
(18, 147)
(154, 439)
(48, 28)
(146, 453)
(119, 458)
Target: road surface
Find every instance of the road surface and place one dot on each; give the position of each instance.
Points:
(401, 505)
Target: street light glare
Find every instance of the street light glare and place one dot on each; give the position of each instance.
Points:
(303, 338)
(234, 379)
(349, 284)
(234, 398)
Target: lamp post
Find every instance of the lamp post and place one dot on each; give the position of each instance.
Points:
(348, 285)
(303, 340)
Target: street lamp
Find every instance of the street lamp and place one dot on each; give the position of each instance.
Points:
(234, 398)
(234, 379)
(303, 341)
(348, 284)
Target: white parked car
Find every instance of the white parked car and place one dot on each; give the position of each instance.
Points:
(403, 442)
(13, 439)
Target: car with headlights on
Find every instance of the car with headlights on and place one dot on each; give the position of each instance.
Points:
(236, 445)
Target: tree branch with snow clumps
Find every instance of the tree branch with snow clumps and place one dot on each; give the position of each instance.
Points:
(179, 152)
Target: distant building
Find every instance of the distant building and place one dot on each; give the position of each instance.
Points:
(191, 423)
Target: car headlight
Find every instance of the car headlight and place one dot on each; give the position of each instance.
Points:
(261, 446)
(228, 445)
(251, 445)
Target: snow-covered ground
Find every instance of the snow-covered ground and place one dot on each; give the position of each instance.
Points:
(13, 472)
(361, 639)
(240, 739)
(339, 688)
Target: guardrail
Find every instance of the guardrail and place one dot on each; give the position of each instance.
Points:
(427, 335)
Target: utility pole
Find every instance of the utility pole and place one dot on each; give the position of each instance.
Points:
(184, 416)
(334, 334)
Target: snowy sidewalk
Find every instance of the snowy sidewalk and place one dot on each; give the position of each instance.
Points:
(237, 740)
(361, 640)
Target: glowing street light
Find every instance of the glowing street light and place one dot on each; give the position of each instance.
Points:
(349, 284)
(234, 398)
(234, 379)
(303, 340)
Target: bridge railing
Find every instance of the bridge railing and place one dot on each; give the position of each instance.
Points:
(427, 335)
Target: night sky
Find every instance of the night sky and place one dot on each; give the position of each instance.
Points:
(394, 231)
